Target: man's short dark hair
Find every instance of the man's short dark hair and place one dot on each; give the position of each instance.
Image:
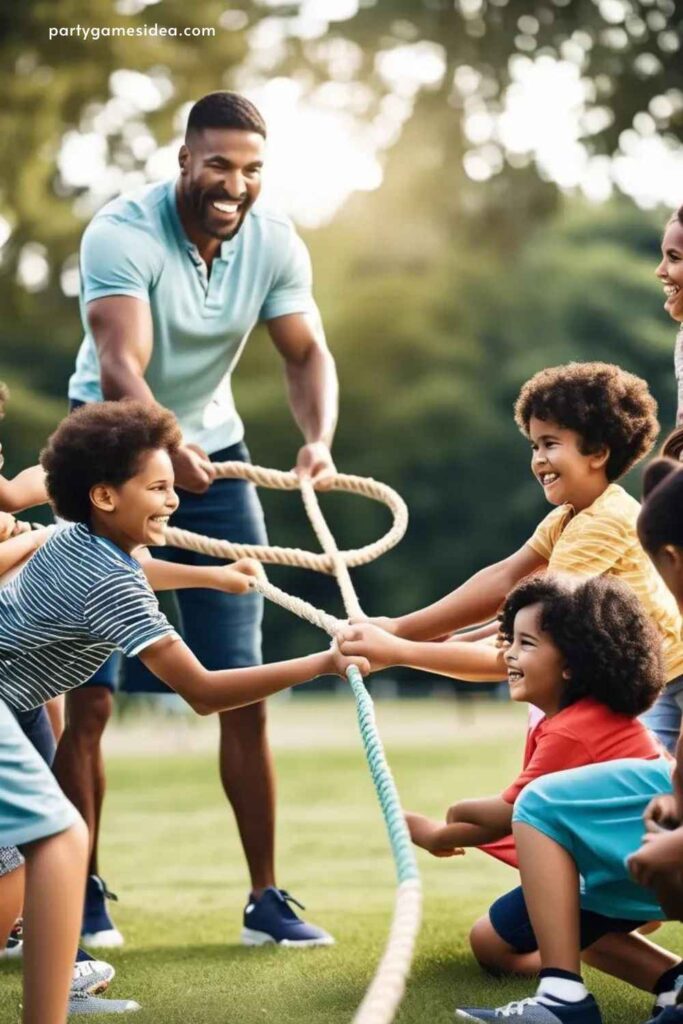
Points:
(605, 405)
(225, 110)
(102, 443)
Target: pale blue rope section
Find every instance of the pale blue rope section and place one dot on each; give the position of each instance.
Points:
(387, 794)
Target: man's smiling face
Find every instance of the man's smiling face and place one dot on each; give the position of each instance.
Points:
(220, 178)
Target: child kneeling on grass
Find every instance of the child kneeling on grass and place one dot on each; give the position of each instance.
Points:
(80, 597)
(577, 832)
(588, 656)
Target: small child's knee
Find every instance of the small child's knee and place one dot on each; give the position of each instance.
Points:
(483, 942)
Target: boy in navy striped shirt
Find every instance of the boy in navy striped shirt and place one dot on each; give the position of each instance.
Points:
(82, 596)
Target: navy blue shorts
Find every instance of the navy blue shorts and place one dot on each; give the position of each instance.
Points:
(223, 630)
(510, 919)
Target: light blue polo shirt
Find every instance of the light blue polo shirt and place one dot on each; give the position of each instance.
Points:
(136, 246)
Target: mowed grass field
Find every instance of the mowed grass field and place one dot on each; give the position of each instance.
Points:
(171, 852)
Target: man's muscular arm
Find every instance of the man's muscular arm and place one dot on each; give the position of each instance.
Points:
(122, 328)
(313, 388)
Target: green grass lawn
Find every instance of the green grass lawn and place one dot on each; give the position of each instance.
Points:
(170, 851)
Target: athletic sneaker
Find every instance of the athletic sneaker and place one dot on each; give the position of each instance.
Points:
(98, 928)
(271, 920)
(81, 1002)
(669, 1015)
(539, 1011)
(90, 975)
(15, 942)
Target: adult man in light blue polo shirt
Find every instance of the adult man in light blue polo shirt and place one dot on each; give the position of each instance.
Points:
(173, 280)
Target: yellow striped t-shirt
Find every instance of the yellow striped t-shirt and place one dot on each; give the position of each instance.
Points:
(602, 539)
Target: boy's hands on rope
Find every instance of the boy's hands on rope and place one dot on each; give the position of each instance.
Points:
(11, 527)
(237, 576)
(339, 663)
(369, 641)
(431, 836)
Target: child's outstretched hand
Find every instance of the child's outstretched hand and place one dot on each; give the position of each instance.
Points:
(235, 578)
(340, 662)
(367, 641)
(427, 834)
(9, 527)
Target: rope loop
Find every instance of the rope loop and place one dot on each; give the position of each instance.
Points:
(385, 992)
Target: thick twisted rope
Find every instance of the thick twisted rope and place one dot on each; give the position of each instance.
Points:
(385, 992)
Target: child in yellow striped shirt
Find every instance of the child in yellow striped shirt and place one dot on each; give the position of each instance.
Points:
(588, 424)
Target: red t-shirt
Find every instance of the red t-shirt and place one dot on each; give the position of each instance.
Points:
(586, 732)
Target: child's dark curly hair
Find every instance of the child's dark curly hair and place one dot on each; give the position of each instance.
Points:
(611, 647)
(673, 445)
(661, 518)
(605, 405)
(102, 442)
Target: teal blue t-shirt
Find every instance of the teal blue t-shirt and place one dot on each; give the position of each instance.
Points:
(136, 246)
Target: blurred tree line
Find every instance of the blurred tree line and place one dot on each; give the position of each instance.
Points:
(440, 295)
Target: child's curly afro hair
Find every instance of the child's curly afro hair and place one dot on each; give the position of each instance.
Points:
(102, 443)
(611, 647)
(605, 405)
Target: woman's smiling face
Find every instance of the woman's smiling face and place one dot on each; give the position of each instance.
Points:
(670, 269)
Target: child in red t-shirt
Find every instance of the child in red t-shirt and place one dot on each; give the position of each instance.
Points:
(587, 654)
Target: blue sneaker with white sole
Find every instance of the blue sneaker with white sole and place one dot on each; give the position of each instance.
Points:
(270, 920)
(669, 1015)
(539, 1010)
(98, 929)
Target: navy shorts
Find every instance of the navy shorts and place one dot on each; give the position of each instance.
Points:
(510, 919)
(223, 630)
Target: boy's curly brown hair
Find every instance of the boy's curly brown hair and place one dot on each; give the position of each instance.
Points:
(611, 647)
(102, 443)
(605, 405)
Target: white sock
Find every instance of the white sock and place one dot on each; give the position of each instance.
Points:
(563, 989)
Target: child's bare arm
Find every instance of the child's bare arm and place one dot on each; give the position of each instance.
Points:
(172, 661)
(233, 579)
(24, 490)
(468, 823)
(479, 661)
(16, 549)
(477, 600)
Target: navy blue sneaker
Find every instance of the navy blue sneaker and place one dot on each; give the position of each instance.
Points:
(270, 920)
(669, 1015)
(98, 929)
(539, 1010)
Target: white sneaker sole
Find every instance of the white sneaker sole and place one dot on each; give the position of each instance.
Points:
(250, 937)
(109, 939)
(91, 1005)
(14, 953)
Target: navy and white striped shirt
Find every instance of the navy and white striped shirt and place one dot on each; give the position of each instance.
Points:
(77, 600)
